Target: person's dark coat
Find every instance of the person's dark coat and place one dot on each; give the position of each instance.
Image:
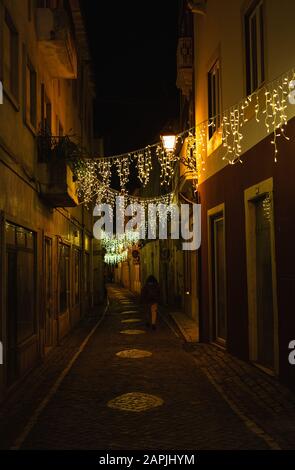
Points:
(150, 293)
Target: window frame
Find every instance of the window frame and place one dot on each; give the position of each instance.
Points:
(64, 273)
(46, 112)
(214, 98)
(31, 123)
(255, 81)
(17, 247)
(76, 276)
(11, 83)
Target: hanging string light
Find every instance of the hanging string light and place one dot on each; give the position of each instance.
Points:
(117, 246)
(123, 170)
(269, 104)
(166, 160)
(108, 196)
(88, 170)
(118, 242)
(88, 182)
(266, 204)
(105, 171)
(115, 258)
(144, 165)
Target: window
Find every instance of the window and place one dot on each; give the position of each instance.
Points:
(31, 94)
(45, 112)
(254, 32)
(76, 273)
(64, 280)
(214, 98)
(20, 294)
(11, 59)
(59, 127)
(48, 292)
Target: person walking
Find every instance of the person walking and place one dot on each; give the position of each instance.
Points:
(150, 296)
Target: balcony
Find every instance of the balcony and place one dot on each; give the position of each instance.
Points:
(57, 180)
(185, 65)
(56, 43)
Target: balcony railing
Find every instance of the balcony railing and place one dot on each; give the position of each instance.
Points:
(55, 155)
(56, 147)
(56, 42)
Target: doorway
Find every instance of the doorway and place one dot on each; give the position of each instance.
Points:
(48, 293)
(64, 289)
(261, 274)
(217, 274)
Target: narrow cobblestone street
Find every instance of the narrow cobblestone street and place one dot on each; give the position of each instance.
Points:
(167, 401)
(147, 280)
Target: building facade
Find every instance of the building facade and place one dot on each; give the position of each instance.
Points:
(247, 279)
(186, 263)
(46, 236)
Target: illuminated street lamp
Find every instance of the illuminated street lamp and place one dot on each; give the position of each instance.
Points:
(169, 142)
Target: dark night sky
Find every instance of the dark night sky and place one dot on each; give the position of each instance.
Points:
(133, 46)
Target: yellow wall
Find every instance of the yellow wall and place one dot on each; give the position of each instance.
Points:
(20, 200)
(219, 33)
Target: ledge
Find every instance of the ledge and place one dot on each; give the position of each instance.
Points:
(188, 327)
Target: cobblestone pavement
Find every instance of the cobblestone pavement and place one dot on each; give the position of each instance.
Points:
(19, 406)
(171, 398)
(257, 396)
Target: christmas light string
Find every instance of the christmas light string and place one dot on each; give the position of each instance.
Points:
(94, 174)
(234, 119)
(117, 246)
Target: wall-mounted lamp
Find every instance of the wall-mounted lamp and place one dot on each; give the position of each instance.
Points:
(169, 142)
